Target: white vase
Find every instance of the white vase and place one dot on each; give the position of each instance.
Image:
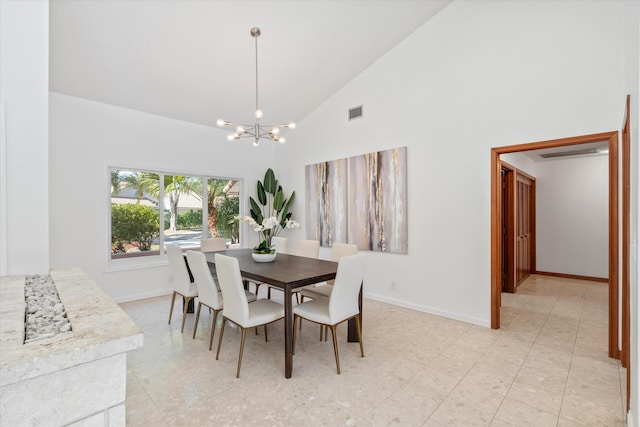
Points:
(263, 257)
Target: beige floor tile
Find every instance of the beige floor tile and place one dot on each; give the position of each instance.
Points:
(519, 413)
(418, 369)
(455, 412)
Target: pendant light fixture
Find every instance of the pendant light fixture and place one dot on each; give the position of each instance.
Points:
(256, 130)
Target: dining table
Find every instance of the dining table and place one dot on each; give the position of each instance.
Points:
(287, 272)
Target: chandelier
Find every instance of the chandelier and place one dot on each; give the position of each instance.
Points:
(256, 130)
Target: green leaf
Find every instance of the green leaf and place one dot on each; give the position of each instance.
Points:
(262, 197)
(270, 183)
(255, 209)
(288, 203)
(278, 201)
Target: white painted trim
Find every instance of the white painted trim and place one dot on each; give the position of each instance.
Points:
(146, 295)
(428, 309)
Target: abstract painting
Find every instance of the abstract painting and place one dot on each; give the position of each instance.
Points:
(360, 200)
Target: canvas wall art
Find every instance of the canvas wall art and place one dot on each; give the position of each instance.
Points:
(361, 200)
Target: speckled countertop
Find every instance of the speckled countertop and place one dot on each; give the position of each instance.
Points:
(99, 328)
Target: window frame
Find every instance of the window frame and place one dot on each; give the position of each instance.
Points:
(157, 257)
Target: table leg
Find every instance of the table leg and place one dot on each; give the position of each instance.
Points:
(352, 331)
(288, 333)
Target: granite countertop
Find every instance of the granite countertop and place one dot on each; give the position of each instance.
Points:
(99, 328)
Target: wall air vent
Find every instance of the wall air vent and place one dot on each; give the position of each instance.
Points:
(570, 153)
(355, 112)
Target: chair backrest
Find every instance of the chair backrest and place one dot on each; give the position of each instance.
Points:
(343, 302)
(181, 279)
(338, 250)
(280, 244)
(236, 307)
(213, 244)
(308, 248)
(207, 289)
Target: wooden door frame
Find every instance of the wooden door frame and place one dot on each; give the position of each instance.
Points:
(626, 206)
(496, 223)
(532, 219)
(509, 227)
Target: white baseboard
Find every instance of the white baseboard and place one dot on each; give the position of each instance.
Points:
(145, 295)
(430, 310)
(630, 420)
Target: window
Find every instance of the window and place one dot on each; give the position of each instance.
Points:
(150, 208)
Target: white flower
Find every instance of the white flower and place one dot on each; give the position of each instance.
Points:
(258, 228)
(269, 223)
(292, 224)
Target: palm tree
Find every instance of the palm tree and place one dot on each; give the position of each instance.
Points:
(116, 179)
(142, 182)
(174, 185)
(216, 189)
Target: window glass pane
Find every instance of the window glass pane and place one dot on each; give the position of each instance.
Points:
(183, 210)
(152, 208)
(223, 205)
(135, 226)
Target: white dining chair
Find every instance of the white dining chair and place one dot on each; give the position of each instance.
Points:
(182, 284)
(342, 304)
(208, 293)
(308, 249)
(213, 244)
(236, 307)
(323, 290)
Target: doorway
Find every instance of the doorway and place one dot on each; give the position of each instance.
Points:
(497, 225)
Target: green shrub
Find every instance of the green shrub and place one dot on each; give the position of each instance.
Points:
(225, 218)
(189, 220)
(133, 224)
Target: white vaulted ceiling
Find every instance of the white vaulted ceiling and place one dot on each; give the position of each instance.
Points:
(194, 60)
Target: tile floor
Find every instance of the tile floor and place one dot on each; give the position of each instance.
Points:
(547, 365)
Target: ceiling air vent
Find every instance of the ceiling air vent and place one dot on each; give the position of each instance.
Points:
(355, 112)
(570, 153)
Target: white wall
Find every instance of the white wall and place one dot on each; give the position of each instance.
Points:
(478, 75)
(632, 87)
(572, 216)
(24, 88)
(520, 161)
(86, 138)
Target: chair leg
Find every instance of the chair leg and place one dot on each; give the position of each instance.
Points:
(265, 333)
(184, 312)
(195, 326)
(244, 335)
(224, 322)
(173, 300)
(257, 287)
(335, 347)
(213, 327)
(297, 299)
(269, 292)
(321, 328)
(359, 328)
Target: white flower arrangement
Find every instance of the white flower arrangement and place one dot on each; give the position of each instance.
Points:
(274, 216)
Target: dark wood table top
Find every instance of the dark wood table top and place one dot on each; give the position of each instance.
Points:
(291, 270)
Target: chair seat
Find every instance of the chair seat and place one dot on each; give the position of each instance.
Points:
(323, 291)
(316, 311)
(264, 311)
